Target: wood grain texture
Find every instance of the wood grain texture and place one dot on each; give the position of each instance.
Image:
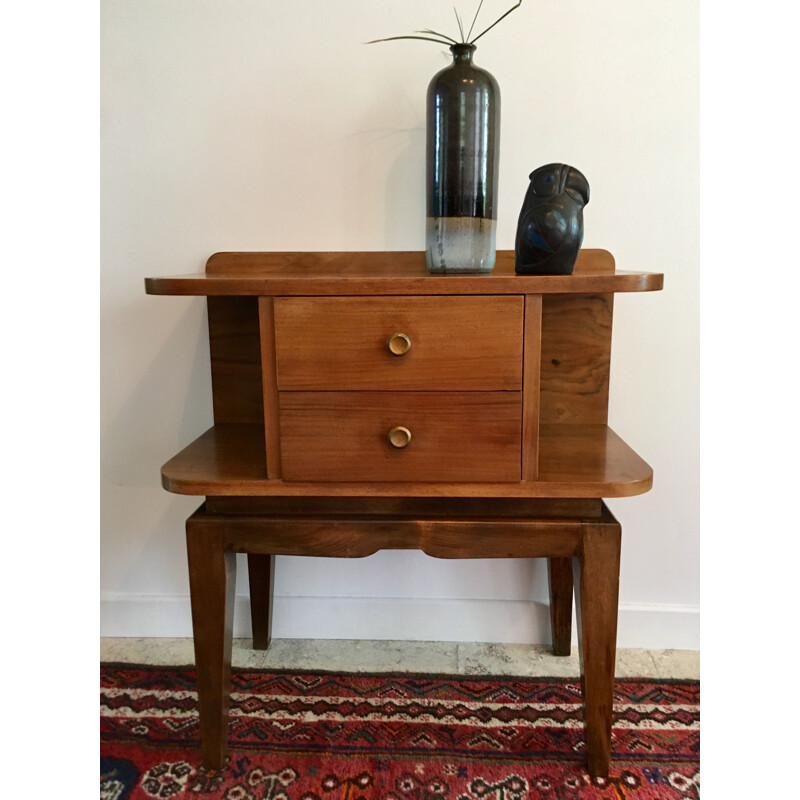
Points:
(392, 273)
(530, 386)
(261, 574)
(339, 536)
(559, 574)
(271, 402)
(235, 359)
(572, 454)
(455, 436)
(212, 580)
(575, 461)
(395, 264)
(457, 343)
(596, 579)
(428, 507)
(576, 358)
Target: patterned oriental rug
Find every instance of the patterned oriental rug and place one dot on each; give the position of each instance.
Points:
(334, 736)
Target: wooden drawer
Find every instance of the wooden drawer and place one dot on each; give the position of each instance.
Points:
(456, 343)
(455, 436)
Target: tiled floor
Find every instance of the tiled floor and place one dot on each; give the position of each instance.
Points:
(396, 656)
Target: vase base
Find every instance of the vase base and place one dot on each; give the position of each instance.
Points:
(460, 244)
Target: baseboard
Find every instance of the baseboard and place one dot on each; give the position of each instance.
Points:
(653, 626)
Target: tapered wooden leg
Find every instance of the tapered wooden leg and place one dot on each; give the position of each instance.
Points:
(212, 580)
(560, 576)
(597, 592)
(261, 569)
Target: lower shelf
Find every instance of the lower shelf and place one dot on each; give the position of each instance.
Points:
(574, 461)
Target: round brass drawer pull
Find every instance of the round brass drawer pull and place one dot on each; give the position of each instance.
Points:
(398, 344)
(399, 437)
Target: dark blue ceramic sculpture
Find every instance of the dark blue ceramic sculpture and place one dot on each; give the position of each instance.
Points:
(550, 227)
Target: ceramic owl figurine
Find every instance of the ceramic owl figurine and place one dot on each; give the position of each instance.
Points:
(550, 227)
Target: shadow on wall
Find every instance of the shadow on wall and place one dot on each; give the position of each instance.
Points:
(383, 169)
(405, 220)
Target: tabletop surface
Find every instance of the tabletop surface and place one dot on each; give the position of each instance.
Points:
(393, 273)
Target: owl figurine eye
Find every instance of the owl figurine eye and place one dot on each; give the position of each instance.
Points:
(544, 181)
(550, 227)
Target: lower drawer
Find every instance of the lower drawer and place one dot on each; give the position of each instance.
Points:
(435, 436)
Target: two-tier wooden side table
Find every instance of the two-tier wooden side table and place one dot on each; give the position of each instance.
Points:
(362, 404)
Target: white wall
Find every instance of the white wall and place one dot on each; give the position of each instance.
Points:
(257, 125)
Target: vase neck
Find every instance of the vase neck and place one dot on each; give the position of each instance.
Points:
(462, 53)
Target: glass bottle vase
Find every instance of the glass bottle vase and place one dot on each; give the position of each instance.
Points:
(463, 129)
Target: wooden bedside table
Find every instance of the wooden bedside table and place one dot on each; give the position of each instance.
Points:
(362, 404)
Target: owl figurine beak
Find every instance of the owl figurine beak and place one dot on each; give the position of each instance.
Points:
(576, 185)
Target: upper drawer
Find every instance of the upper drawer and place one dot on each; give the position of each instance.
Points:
(451, 343)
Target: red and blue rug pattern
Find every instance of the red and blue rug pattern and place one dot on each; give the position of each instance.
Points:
(336, 736)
